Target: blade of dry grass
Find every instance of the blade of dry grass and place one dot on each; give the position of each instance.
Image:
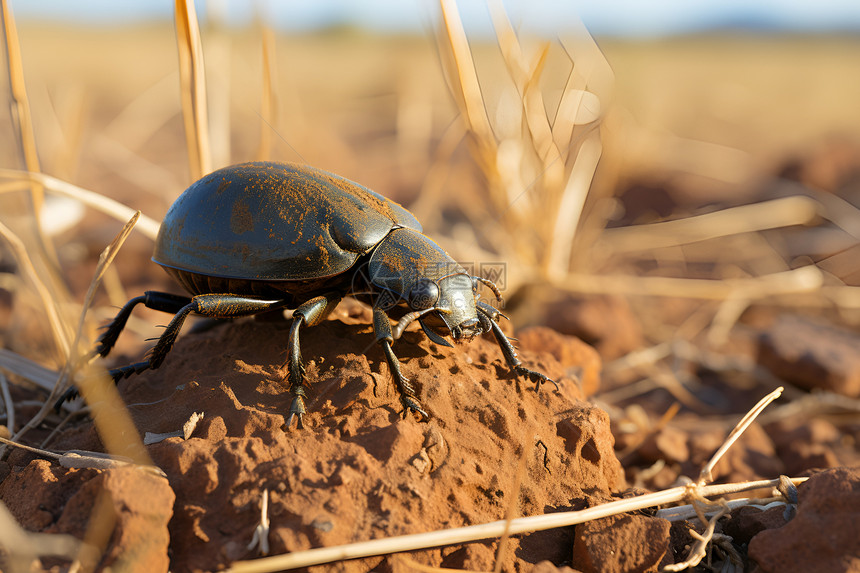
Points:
(43, 257)
(261, 532)
(538, 174)
(557, 261)
(42, 377)
(23, 548)
(193, 84)
(106, 257)
(565, 194)
(801, 280)
(489, 530)
(267, 95)
(85, 459)
(706, 475)
(58, 325)
(693, 491)
(112, 421)
(21, 116)
(7, 402)
(773, 214)
(115, 209)
(466, 89)
(684, 512)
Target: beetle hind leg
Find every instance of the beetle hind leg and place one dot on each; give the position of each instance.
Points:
(309, 313)
(211, 305)
(162, 347)
(163, 301)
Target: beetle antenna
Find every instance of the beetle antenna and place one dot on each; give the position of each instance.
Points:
(408, 319)
(490, 285)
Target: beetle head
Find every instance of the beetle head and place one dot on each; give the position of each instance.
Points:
(411, 270)
(454, 311)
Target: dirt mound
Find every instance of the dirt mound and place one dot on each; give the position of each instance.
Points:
(358, 470)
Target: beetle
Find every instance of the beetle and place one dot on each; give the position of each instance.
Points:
(264, 236)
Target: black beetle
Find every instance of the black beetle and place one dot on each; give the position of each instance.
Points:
(264, 236)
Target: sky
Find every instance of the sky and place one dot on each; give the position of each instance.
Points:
(633, 18)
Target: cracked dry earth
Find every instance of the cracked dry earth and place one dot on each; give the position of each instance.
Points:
(358, 470)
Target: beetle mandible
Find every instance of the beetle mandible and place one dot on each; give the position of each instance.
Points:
(264, 236)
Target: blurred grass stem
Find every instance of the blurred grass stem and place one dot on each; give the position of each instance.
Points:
(193, 89)
(489, 530)
(147, 225)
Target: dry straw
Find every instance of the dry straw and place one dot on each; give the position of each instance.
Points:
(193, 90)
(20, 103)
(538, 165)
(26, 224)
(693, 492)
(267, 96)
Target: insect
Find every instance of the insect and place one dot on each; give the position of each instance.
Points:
(264, 236)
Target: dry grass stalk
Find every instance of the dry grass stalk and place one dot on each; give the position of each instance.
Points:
(45, 378)
(109, 415)
(59, 327)
(43, 258)
(801, 280)
(106, 257)
(820, 404)
(489, 530)
(84, 459)
(699, 549)
(776, 213)
(261, 532)
(706, 474)
(7, 401)
(115, 209)
(267, 95)
(193, 82)
(538, 168)
(684, 512)
(463, 77)
(20, 103)
(696, 491)
(23, 548)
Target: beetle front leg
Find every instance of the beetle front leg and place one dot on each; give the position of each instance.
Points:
(310, 313)
(489, 316)
(384, 336)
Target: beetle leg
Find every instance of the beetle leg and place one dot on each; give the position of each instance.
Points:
(489, 315)
(157, 355)
(211, 305)
(163, 301)
(384, 336)
(310, 313)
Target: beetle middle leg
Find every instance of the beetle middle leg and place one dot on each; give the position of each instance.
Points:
(384, 336)
(489, 316)
(309, 313)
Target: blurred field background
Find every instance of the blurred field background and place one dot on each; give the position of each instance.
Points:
(692, 122)
(697, 128)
